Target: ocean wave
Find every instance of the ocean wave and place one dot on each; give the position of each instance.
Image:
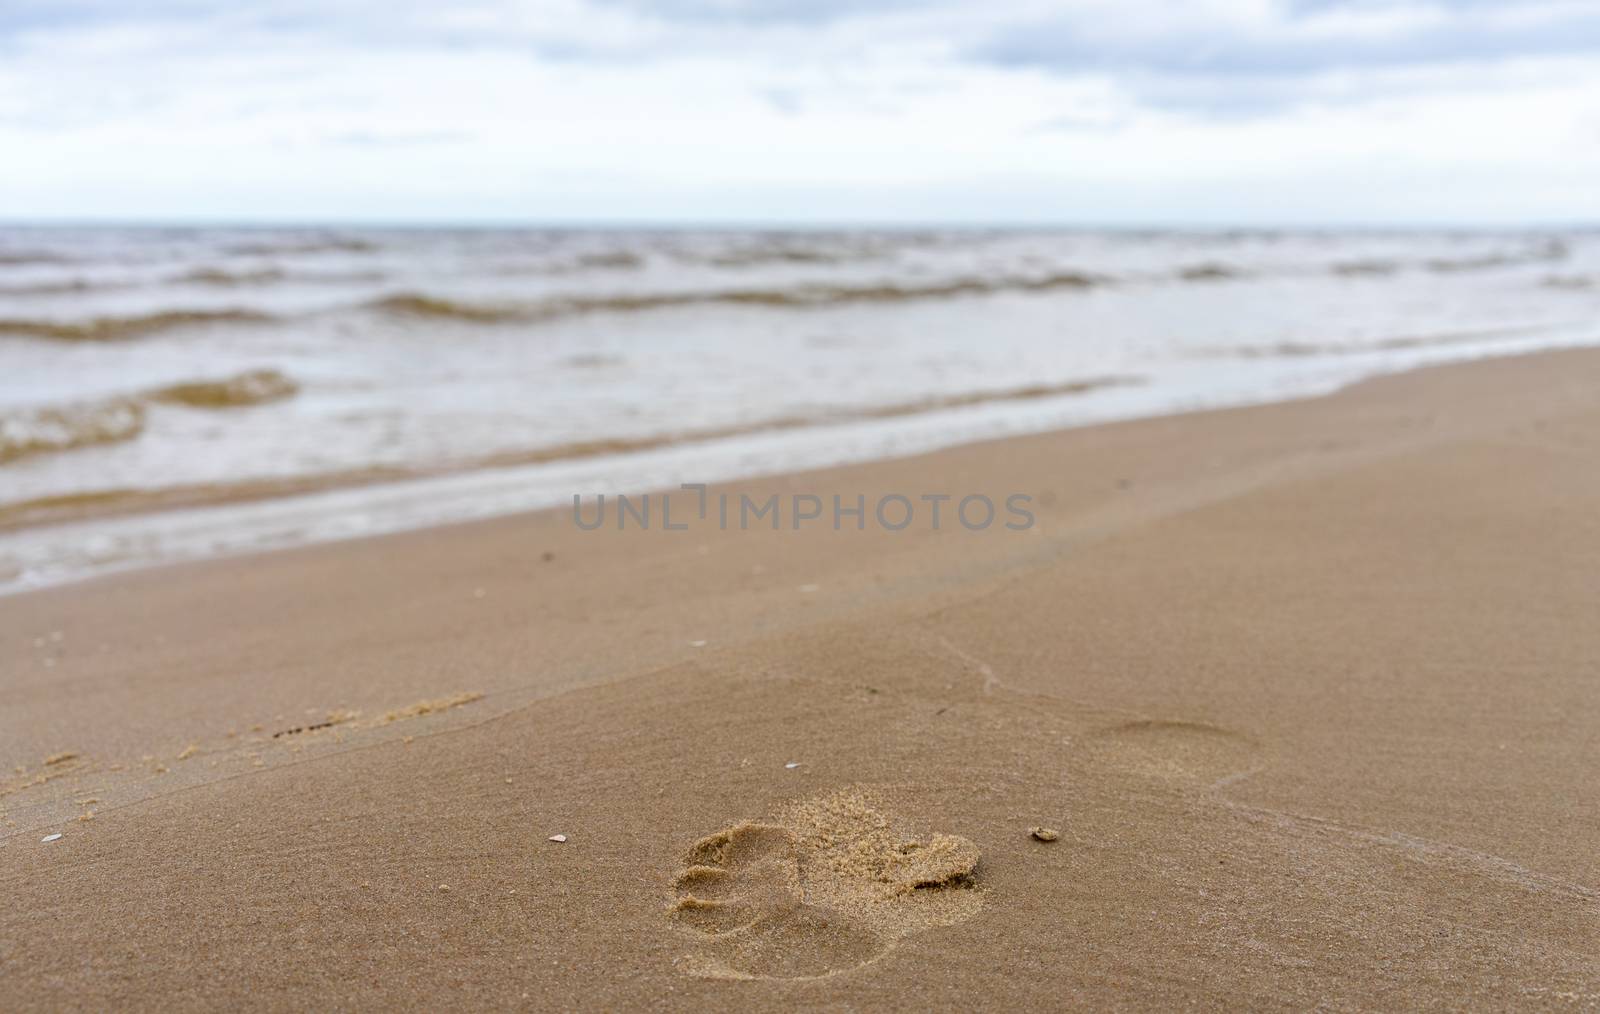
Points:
(758, 256)
(60, 287)
(1571, 282)
(23, 258)
(101, 503)
(817, 249)
(604, 261)
(228, 278)
(255, 387)
(28, 432)
(610, 260)
(110, 329)
(209, 277)
(313, 245)
(415, 304)
(1303, 349)
(1211, 271)
(1554, 250)
(593, 361)
(1031, 392)
(1365, 268)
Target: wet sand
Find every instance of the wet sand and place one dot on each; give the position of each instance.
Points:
(1309, 693)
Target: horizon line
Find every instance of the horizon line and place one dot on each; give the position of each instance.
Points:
(750, 224)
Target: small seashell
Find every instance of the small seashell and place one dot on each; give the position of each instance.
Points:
(1044, 833)
(792, 765)
(51, 837)
(557, 838)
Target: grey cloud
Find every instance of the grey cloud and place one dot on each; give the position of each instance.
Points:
(1072, 46)
(757, 12)
(1233, 71)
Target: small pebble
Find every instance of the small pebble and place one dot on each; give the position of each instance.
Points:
(558, 838)
(697, 644)
(51, 837)
(1044, 833)
(792, 765)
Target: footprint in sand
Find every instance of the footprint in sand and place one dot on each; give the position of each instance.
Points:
(1176, 750)
(827, 885)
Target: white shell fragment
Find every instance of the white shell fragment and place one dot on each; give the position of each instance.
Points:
(558, 838)
(697, 644)
(792, 765)
(51, 837)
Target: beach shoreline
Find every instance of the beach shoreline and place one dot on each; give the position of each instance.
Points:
(1305, 690)
(203, 392)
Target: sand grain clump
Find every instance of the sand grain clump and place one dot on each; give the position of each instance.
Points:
(421, 708)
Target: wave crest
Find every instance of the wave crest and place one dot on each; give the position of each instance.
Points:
(225, 278)
(416, 304)
(1210, 271)
(110, 329)
(120, 501)
(309, 245)
(255, 387)
(1293, 349)
(30, 431)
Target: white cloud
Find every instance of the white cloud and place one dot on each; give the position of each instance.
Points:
(1223, 110)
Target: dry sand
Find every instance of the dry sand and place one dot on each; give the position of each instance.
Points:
(1310, 693)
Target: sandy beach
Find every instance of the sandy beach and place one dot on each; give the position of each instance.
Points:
(1306, 691)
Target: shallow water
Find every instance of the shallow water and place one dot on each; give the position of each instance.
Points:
(171, 393)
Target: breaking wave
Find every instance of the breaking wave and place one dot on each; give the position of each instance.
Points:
(310, 245)
(30, 431)
(121, 501)
(1365, 268)
(22, 258)
(1553, 250)
(253, 388)
(27, 432)
(1210, 272)
(414, 304)
(226, 278)
(1299, 349)
(59, 287)
(1571, 282)
(111, 329)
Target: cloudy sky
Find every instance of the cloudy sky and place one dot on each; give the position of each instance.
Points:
(1097, 111)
